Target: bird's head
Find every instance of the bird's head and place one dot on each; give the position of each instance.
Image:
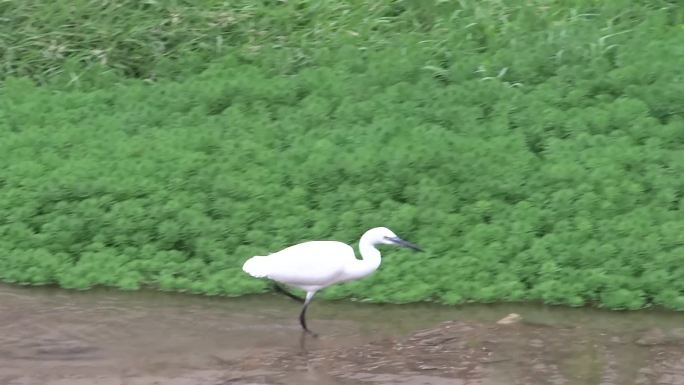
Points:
(383, 235)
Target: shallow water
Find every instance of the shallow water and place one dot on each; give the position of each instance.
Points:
(50, 336)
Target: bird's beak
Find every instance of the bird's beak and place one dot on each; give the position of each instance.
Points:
(400, 242)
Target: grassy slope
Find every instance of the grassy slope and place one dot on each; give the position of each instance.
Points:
(536, 152)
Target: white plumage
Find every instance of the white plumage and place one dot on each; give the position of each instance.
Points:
(308, 265)
(314, 265)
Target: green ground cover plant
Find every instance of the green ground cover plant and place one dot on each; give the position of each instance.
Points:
(535, 151)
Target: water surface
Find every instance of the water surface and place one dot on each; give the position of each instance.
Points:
(51, 336)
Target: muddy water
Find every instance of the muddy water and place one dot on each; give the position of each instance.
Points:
(52, 337)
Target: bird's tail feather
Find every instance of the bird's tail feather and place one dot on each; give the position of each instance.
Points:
(256, 266)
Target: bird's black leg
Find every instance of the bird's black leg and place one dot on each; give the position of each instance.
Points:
(302, 319)
(302, 315)
(280, 290)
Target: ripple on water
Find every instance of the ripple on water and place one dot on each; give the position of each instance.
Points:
(52, 345)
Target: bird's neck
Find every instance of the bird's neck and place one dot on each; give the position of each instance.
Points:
(370, 260)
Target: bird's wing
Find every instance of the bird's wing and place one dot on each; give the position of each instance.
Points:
(314, 263)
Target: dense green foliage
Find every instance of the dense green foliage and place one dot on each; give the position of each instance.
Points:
(536, 152)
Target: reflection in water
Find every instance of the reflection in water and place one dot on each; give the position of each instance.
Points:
(50, 336)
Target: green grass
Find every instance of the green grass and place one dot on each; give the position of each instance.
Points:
(534, 151)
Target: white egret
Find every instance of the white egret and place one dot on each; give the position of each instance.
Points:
(314, 265)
